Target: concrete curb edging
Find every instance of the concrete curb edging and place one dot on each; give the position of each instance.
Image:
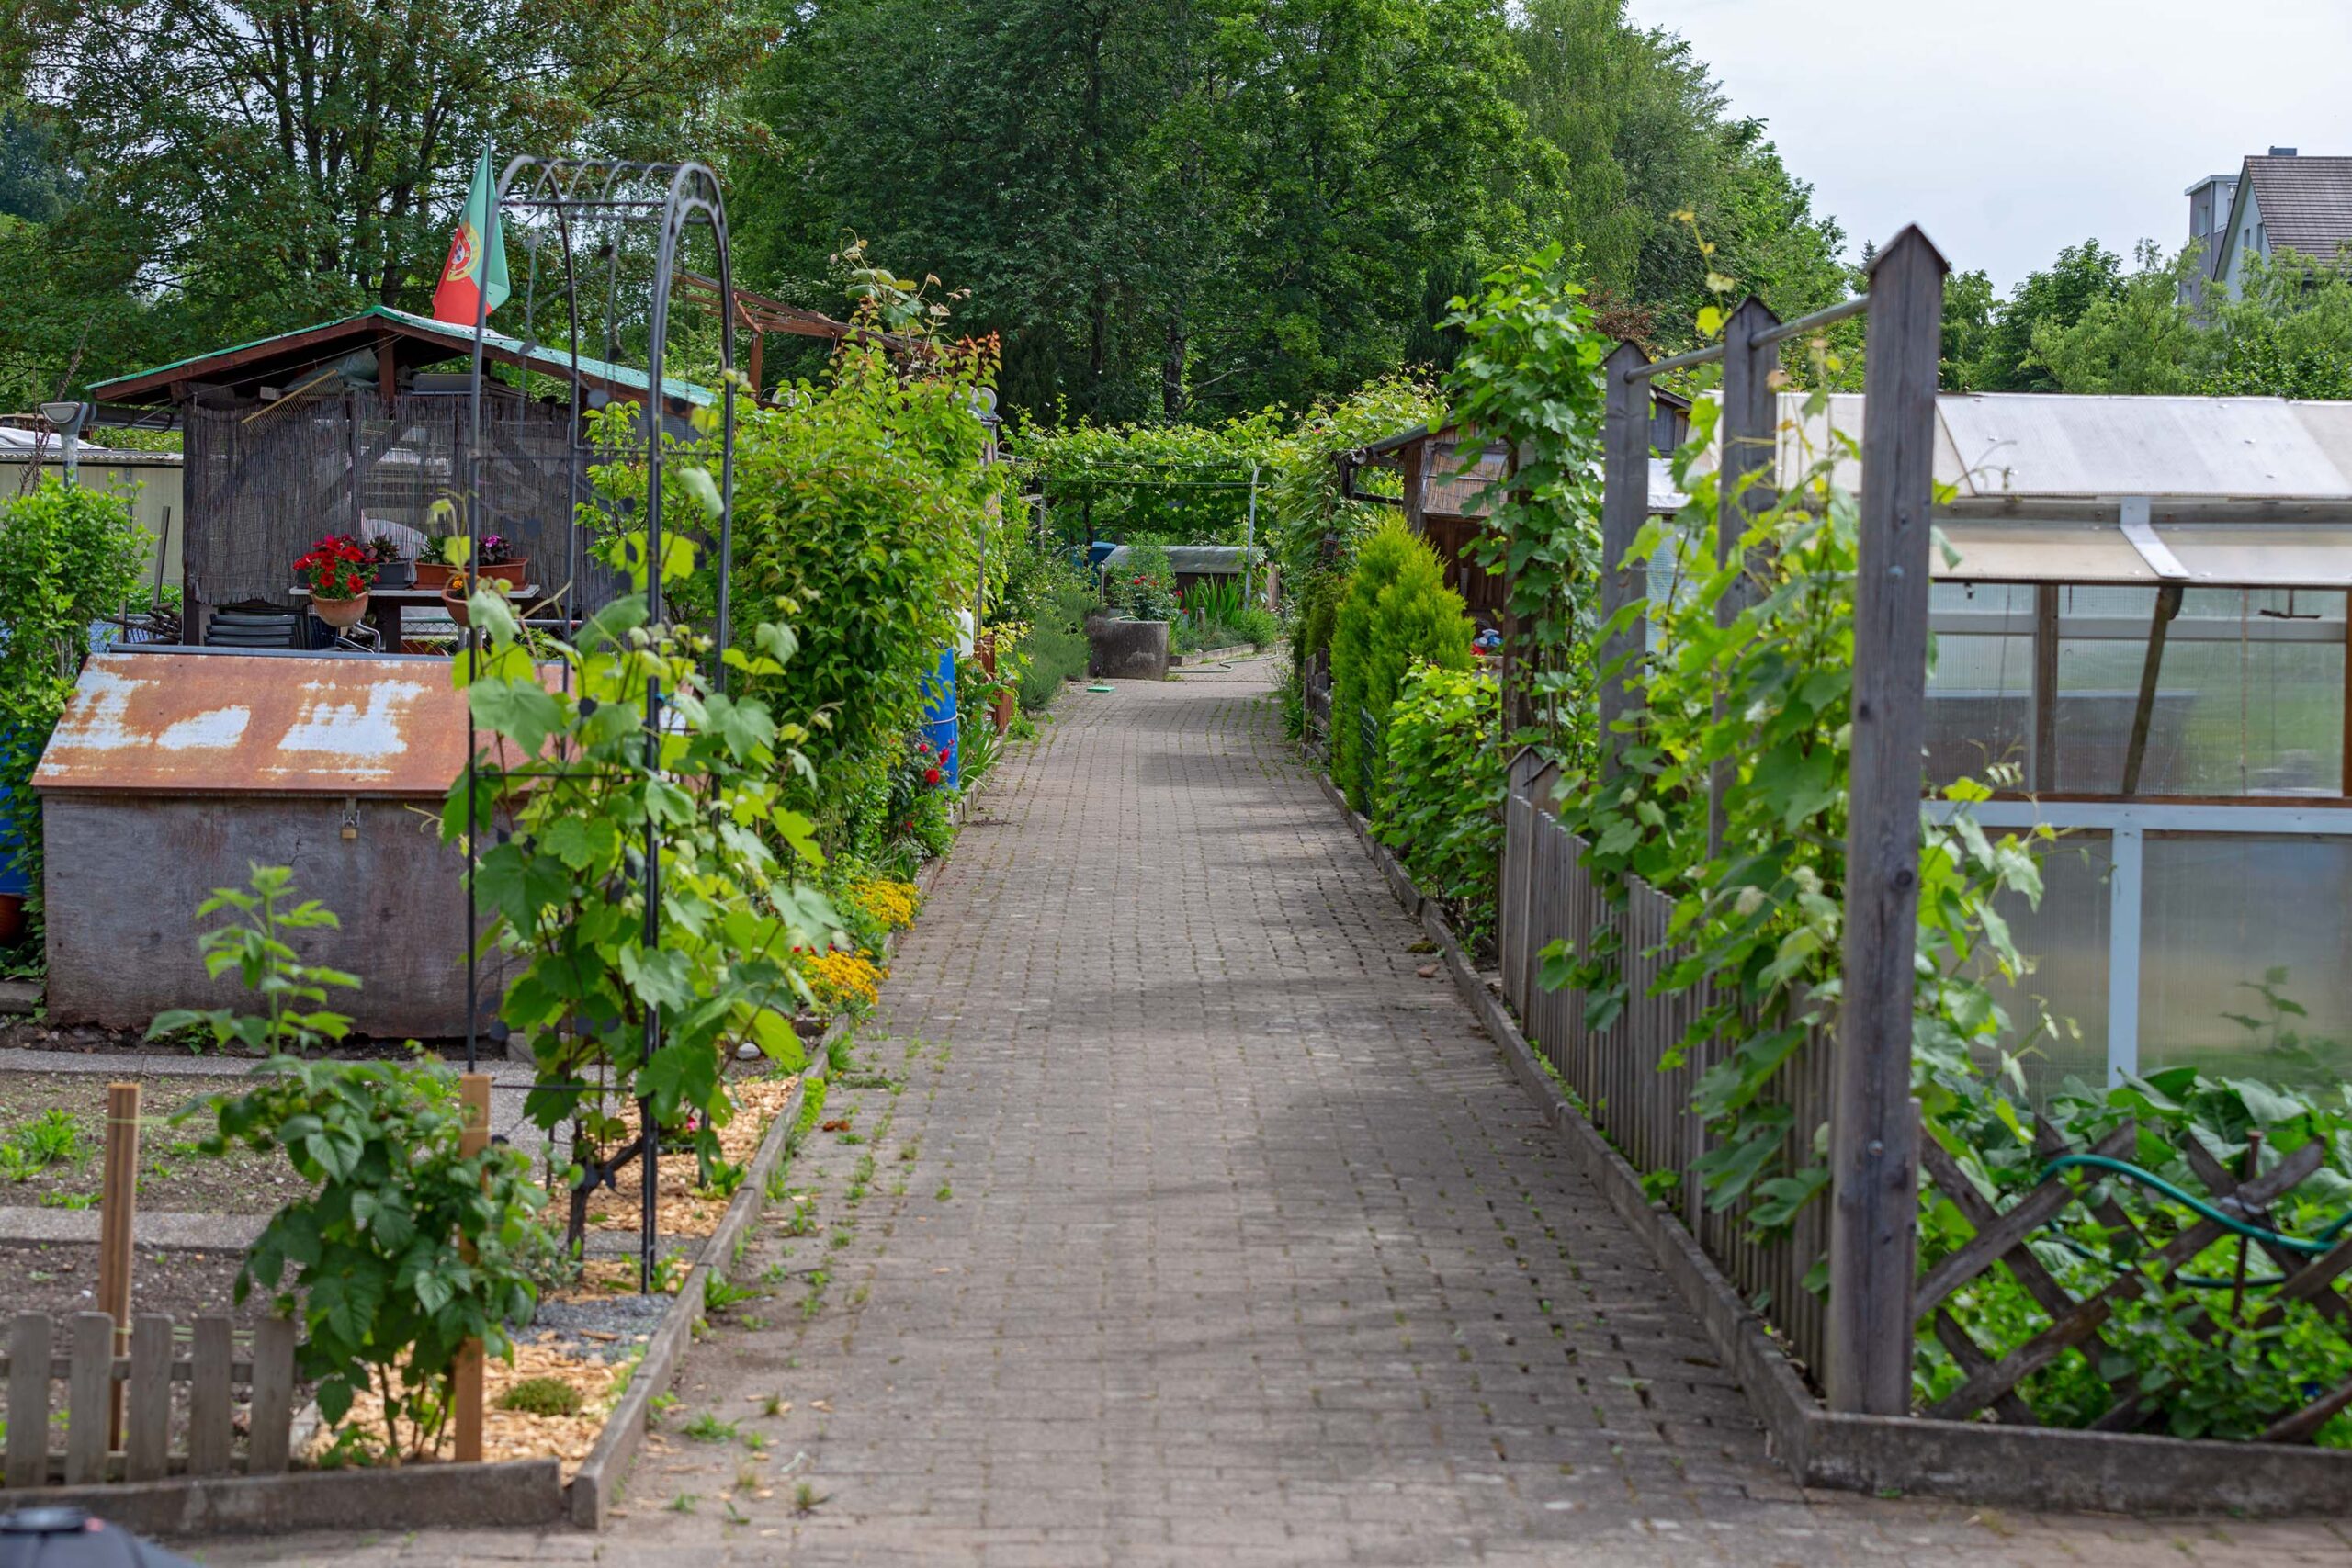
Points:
(595, 1486)
(2038, 1467)
(507, 1494)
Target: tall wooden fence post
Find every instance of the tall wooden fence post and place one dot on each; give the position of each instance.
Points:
(118, 1200)
(1873, 1138)
(474, 1089)
(1624, 505)
(1749, 443)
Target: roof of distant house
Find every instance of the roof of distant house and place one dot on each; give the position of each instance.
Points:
(2306, 203)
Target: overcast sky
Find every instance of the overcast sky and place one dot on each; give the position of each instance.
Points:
(2009, 128)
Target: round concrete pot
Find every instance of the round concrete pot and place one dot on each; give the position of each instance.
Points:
(340, 614)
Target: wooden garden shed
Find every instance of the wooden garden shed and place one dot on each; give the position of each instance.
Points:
(348, 428)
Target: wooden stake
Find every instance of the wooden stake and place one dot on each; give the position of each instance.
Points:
(474, 1087)
(1873, 1131)
(118, 1202)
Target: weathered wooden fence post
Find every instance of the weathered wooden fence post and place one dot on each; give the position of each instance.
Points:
(1749, 443)
(1873, 1138)
(1624, 503)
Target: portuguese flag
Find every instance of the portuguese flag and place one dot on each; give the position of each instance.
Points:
(477, 261)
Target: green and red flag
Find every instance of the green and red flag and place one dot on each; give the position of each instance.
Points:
(477, 263)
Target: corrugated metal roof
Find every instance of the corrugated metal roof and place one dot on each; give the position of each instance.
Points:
(214, 723)
(2306, 203)
(538, 356)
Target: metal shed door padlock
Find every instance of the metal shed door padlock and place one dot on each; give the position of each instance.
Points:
(350, 819)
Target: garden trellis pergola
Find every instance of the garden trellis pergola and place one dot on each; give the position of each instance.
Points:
(601, 222)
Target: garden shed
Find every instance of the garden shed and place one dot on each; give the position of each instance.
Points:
(346, 428)
(1446, 479)
(175, 770)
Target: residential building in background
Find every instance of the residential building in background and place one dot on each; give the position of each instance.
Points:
(2279, 201)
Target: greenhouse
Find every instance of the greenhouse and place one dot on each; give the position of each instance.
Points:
(2140, 613)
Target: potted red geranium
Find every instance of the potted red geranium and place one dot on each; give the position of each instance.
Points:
(337, 572)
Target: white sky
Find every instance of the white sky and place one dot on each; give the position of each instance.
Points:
(2009, 128)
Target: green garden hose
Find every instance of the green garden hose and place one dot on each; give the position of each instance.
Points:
(2316, 1247)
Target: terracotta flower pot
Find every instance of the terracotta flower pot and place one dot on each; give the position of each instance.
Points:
(454, 603)
(510, 573)
(340, 613)
(434, 573)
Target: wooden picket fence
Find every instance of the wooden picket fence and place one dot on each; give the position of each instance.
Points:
(1547, 893)
(109, 1436)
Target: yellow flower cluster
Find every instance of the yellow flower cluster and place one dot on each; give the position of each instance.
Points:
(886, 899)
(845, 982)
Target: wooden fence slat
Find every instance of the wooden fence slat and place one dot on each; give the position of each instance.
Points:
(273, 1400)
(88, 1395)
(28, 1355)
(209, 1431)
(1972, 1360)
(147, 1431)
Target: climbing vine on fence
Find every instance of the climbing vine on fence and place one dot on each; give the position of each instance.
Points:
(1530, 376)
(1762, 915)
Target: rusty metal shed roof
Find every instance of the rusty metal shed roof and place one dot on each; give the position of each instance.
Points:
(205, 723)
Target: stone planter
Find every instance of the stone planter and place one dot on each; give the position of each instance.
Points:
(1127, 650)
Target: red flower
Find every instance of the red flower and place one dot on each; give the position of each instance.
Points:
(932, 776)
(351, 583)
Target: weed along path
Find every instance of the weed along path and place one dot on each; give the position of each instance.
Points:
(1171, 1212)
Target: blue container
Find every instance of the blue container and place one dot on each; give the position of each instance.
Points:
(939, 716)
(13, 879)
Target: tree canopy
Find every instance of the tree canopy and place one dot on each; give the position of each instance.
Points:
(1167, 209)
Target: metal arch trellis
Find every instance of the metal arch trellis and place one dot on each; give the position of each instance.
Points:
(560, 203)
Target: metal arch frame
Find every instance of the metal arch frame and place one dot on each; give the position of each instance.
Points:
(574, 194)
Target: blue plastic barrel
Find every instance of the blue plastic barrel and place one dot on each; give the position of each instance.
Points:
(939, 715)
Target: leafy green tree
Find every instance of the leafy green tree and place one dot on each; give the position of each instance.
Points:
(2045, 302)
(2287, 334)
(2138, 338)
(257, 164)
(1161, 206)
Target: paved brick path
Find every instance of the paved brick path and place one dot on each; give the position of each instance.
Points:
(1186, 1222)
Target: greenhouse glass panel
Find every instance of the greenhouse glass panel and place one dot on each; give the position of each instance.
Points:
(2057, 1013)
(2245, 964)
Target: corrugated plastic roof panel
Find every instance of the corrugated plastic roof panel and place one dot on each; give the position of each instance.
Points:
(2040, 552)
(224, 724)
(2068, 447)
(2051, 444)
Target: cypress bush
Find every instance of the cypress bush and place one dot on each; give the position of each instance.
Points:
(1396, 609)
